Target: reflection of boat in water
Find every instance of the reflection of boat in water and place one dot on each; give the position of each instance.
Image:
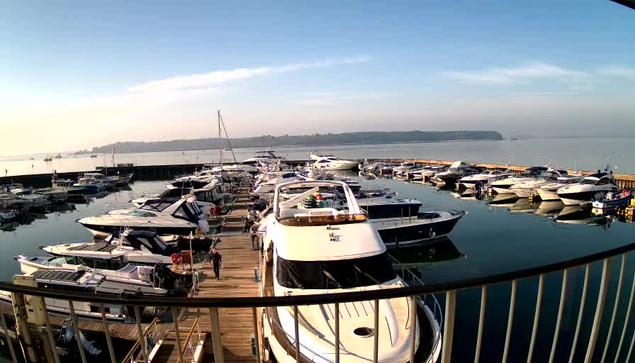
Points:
(442, 250)
(503, 200)
(580, 215)
(550, 208)
(523, 205)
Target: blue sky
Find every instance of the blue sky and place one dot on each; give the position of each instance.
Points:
(116, 71)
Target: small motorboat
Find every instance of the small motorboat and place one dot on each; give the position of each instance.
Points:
(612, 201)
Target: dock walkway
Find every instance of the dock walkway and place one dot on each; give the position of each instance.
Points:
(237, 279)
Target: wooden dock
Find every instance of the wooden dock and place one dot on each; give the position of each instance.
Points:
(237, 279)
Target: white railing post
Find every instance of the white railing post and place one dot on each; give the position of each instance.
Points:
(376, 332)
(104, 322)
(556, 333)
(413, 327)
(448, 326)
(8, 338)
(142, 341)
(510, 319)
(615, 306)
(534, 331)
(254, 314)
(599, 309)
(337, 332)
(177, 334)
(80, 346)
(481, 324)
(296, 326)
(216, 339)
(628, 315)
(585, 286)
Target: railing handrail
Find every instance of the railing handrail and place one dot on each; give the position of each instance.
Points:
(243, 302)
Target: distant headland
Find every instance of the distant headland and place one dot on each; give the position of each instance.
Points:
(265, 141)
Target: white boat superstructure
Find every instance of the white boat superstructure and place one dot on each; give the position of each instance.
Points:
(503, 186)
(528, 188)
(584, 191)
(334, 163)
(483, 178)
(549, 191)
(180, 218)
(326, 250)
(136, 247)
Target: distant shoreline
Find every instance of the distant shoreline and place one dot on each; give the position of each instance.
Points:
(315, 140)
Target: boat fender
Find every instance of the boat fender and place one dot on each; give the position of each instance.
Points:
(432, 232)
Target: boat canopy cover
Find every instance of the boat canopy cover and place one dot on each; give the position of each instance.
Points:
(151, 240)
(58, 275)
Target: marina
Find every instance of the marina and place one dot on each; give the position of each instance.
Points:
(440, 257)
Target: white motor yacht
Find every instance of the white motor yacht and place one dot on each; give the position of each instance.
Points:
(333, 163)
(483, 178)
(528, 188)
(264, 156)
(503, 186)
(326, 250)
(137, 247)
(584, 191)
(549, 191)
(181, 218)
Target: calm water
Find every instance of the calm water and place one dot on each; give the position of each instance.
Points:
(488, 240)
(583, 154)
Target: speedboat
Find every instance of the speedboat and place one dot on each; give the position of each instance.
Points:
(402, 170)
(88, 185)
(612, 201)
(418, 229)
(180, 218)
(455, 172)
(266, 156)
(325, 250)
(503, 186)
(528, 188)
(333, 163)
(484, 178)
(584, 191)
(549, 191)
(207, 198)
(137, 247)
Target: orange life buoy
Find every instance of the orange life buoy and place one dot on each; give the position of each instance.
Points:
(176, 258)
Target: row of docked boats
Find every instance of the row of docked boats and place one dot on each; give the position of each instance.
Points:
(133, 253)
(546, 183)
(91, 183)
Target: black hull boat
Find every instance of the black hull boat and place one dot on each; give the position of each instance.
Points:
(418, 230)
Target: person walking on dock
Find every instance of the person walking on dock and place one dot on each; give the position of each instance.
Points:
(217, 260)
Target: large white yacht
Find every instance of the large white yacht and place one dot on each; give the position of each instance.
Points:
(180, 218)
(503, 186)
(549, 191)
(332, 163)
(264, 156)
(528, 188)
(584, 191)
(483, 178)
(138, 247)
(326, 250)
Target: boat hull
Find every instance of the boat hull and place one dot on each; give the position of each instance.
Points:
(107, 230)
(405, 232)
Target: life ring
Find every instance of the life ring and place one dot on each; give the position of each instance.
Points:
(212, 210)
(176, 258)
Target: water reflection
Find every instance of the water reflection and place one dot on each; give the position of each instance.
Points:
(550, 208)
(438, 251)
(581, 215)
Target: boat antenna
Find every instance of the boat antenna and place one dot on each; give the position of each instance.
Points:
(220, 144)
(227, 136)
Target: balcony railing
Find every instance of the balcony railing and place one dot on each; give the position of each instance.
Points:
(426, 292)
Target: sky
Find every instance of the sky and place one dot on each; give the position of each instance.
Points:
(78, 74)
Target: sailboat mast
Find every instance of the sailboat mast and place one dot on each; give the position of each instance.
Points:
(227, 137)
(220, 144)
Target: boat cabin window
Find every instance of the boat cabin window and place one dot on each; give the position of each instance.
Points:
(102, 263)
(341, 274)
(589, 181)
(602, 181)
(142, 213)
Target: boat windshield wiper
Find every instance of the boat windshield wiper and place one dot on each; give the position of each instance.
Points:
(332, 279)
(368, 276)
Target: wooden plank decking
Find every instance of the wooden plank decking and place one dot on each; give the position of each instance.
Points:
(237, 279)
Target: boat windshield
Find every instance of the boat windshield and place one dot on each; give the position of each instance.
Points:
(141, 213)
(591, 181)
(95, 262)
(340, 274)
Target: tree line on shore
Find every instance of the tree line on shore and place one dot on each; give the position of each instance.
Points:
(266, 141)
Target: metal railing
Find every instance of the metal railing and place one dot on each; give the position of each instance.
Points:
(450, 289)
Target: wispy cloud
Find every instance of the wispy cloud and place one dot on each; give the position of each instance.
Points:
(617, 71)
(520, 74)
(313, 99)
(224, 76)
